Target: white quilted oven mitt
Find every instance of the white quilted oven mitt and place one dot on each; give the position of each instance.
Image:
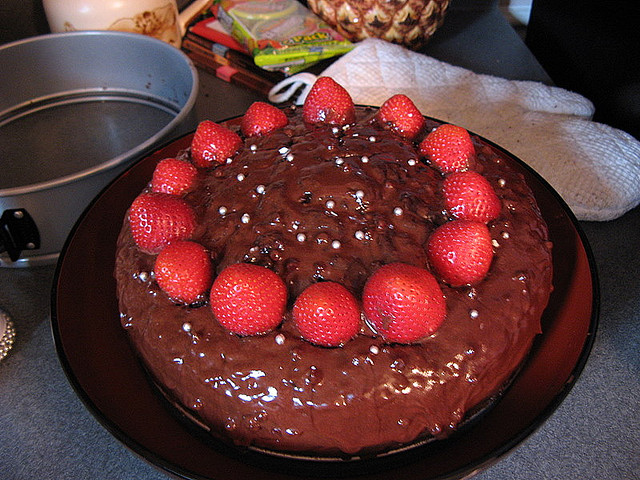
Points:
(595, 168)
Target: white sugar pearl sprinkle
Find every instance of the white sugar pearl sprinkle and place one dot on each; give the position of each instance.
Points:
(330, 204)
(336, 244)
(505, 235)
(253, 147)
(502, 182)
(335, 130)
(495, 243)
(364, 159)
(301, 237)
(186, 326)
(339, 161)
(289, 157)
(372, 138)
(280, 338)
(412, 162)
(359, 235)
(397, 211)
(143, 276)
(260, 189)
(284, 150)
(222, 210)
(374, 349)
(359, 194)
(473, 313)
(245, 218)
(240, 177)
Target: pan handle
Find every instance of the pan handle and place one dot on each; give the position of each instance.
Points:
(18, 232)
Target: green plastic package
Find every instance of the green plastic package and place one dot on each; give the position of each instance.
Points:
(281, 34)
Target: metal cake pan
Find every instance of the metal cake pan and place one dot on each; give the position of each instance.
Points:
(76, 109)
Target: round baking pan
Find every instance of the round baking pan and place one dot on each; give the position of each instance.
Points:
(76, 109)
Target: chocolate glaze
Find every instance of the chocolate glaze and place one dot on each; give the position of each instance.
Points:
(320, 203)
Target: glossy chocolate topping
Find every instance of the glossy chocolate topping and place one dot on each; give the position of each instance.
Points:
(322, 203)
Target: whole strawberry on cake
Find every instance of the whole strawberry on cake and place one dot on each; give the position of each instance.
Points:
(332, 279)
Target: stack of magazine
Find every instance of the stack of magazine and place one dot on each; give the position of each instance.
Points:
(213, 49)
(283, 35)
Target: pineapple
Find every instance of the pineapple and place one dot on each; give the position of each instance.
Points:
(407, 22)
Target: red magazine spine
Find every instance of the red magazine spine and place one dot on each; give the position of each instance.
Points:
(202, 29)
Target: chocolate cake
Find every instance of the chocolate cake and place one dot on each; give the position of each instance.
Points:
(334, 202)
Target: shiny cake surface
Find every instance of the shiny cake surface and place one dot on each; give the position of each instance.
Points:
(323, 203)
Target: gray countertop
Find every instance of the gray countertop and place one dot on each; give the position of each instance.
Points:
(46, 432)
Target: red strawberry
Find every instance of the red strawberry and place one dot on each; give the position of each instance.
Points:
(328, 102)
(469, 196)
(213, 143)
(183, 270)
(156, 219)
(262, 118)
(173, 176)
(248, 299)
(449, 148)
(404, 303)
(402, 115)
(460, 251)
(327, 314)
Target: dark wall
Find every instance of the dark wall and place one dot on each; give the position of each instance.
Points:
(21, 19)
(593, 48)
